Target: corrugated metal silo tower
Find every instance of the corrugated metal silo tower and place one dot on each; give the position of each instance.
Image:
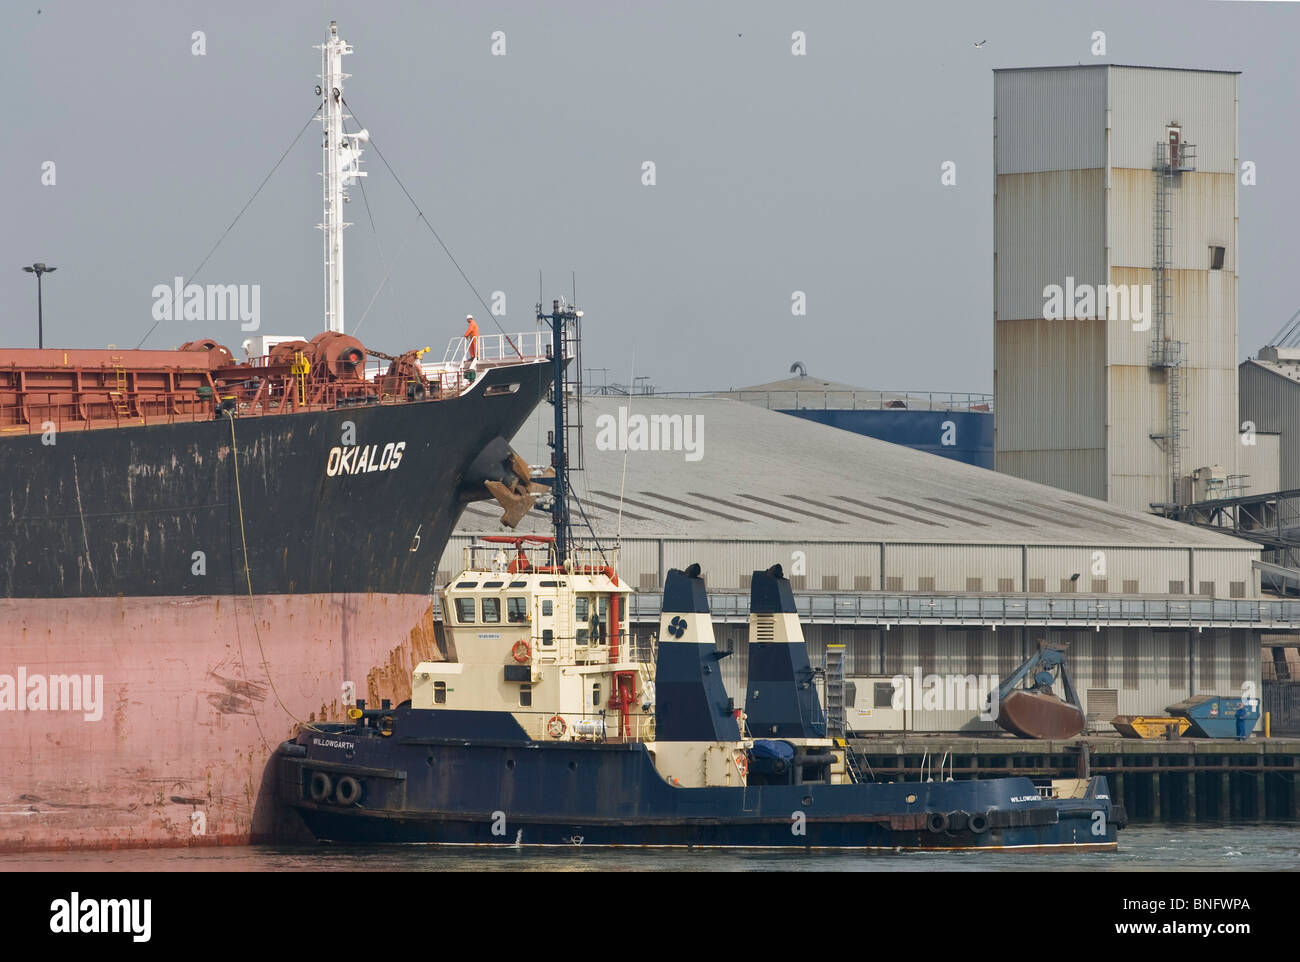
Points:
(1115, 278)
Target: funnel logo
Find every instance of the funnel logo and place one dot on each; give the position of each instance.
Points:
(677, 627)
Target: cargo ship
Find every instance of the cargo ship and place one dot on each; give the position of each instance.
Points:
(198, 553)
(552, 727)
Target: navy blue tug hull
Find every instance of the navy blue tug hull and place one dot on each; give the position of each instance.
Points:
(510, 791)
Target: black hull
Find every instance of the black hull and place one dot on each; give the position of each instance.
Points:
(122, 511)
(433, 788)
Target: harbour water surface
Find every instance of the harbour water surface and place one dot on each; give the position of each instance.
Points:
(1238, 848)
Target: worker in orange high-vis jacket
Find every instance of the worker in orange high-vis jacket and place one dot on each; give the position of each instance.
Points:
(471, 334)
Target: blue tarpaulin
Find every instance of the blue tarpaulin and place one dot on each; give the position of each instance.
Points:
(766, 748)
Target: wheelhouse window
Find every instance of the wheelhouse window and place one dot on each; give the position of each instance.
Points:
(491, 611)
(516, 610)
(591, 613)
(440, 693)
(465, 611)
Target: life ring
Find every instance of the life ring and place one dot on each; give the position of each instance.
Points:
(742, 762)
(348, 792)
(321, 786)
(521, 651)
(556, 727)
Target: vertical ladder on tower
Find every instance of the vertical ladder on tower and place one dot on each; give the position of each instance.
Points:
(835, 709)
(1167, 353)
(118, 396)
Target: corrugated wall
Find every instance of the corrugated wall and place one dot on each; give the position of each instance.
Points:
(1048, 226)
(1050, 395)
(1049, 119)
(1272, 402)
(1261, 463)
(1203, 208)
(1143, 101)
(952, 566)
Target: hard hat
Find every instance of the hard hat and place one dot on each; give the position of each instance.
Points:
(469, 317)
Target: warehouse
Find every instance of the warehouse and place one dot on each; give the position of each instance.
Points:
(912, 561)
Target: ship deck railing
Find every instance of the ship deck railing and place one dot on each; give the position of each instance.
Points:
(640, 726)
(884, 608)
(493, 350)
(495, 557)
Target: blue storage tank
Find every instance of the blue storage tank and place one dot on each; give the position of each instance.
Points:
(957, 426)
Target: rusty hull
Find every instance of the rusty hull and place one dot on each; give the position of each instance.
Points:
(197, 693)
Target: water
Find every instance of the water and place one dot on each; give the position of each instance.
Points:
(1143, 848)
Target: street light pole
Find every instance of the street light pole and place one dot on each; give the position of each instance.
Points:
(38, 270)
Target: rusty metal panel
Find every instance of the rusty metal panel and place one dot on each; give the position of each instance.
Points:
(1049, 387)
(1203, 208)
(1049, 119)
(1142, 101)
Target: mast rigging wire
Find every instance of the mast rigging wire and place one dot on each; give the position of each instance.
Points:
(195, 273)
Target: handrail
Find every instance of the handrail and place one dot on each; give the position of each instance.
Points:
(498, 348)
(894, 609)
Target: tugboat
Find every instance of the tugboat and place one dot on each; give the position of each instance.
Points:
(550, 727)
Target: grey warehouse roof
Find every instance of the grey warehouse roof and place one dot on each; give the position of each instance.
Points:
(759, 474)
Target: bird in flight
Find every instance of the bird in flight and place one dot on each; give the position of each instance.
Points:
(979, 44)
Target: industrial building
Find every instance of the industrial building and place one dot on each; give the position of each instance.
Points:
(915, 563)
(1115, 279)
(1270, 411)
(951, 425)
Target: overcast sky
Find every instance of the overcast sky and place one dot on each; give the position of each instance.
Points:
(775, 173)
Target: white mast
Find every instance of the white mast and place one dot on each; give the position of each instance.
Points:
(339, 170)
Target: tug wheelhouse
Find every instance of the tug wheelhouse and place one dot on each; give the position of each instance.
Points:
(546, 642)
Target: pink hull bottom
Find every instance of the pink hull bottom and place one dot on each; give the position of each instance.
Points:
(196, 695)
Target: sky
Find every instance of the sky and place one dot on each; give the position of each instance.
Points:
(774, 172)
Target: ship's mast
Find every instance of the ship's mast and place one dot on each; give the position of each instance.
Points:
(563, 321)
(341, 155)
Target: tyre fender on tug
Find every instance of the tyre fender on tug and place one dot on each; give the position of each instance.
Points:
(321, 787)
(348, 791)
